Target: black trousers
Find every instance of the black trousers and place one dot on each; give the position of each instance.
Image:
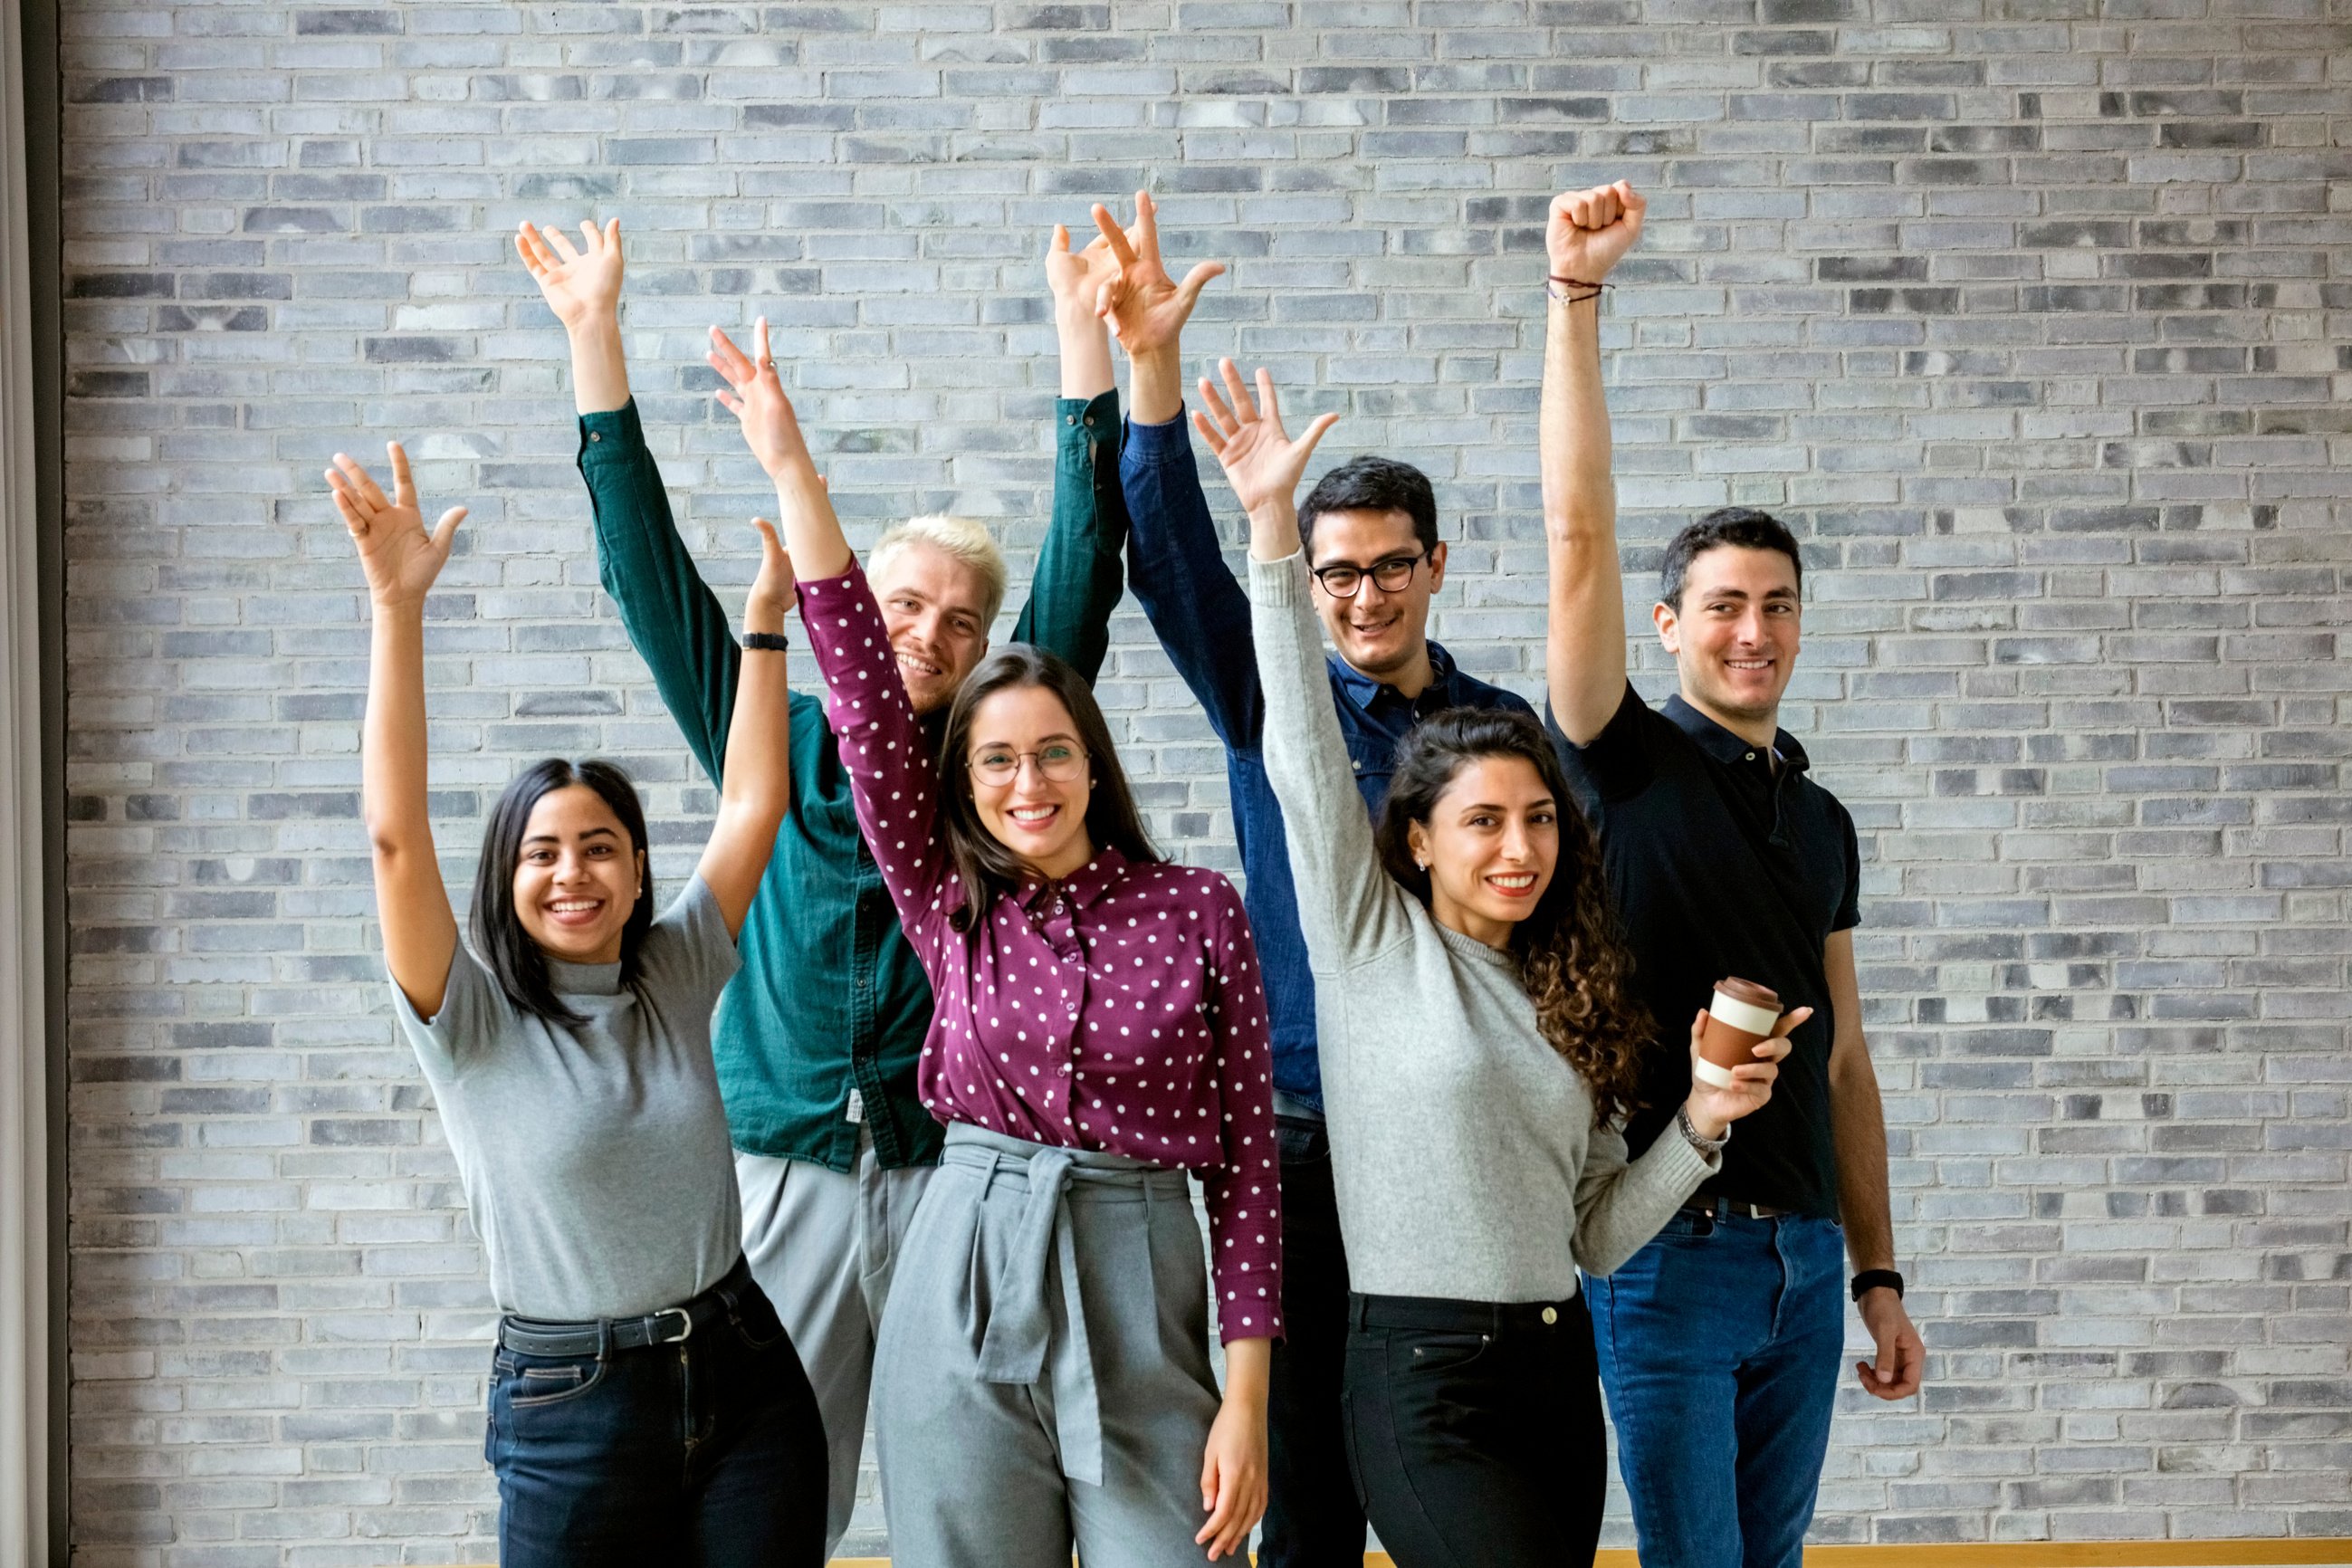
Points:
(1475, 1430)
(1313, 1517)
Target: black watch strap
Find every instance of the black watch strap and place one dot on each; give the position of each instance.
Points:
(771, 642)
(1872, 1278)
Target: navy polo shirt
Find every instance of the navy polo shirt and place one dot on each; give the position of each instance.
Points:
(1721, 864)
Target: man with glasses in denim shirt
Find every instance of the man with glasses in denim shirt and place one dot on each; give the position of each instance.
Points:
(1369, 528)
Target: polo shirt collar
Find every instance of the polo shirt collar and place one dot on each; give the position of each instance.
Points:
(1082, 887)
(1363, 690)
(1726, 747)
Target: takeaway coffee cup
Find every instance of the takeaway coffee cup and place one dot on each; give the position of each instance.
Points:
(1740, 1016)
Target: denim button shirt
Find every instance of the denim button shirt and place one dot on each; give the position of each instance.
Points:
(1201, 615)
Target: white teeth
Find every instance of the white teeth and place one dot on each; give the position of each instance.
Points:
(1515, 882)
(1033, 812)
(575, 906)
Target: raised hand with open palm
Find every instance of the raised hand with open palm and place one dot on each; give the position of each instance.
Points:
(400, 558)
(1263, 462)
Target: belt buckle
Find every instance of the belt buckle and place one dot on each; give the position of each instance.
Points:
(683, 1316)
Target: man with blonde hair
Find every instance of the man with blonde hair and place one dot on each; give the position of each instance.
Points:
(817, 1036)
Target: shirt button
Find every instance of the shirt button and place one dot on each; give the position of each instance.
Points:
(1552, 1314)
(1070, 419)
(1751, 756)
(1090, 421)
(595, 434)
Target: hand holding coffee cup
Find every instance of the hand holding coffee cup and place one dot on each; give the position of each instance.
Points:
(1733, 1068)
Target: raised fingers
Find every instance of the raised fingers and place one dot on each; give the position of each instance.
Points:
(1198, 280)
(404, 486)
(1114, 235)
(1147, 223)
(558, 242)
(728, 360)
(533, 250)
(1209, 433)
(763, 361)
(1226, 422)
(357, 480)
(1244, 409)
(354, 519)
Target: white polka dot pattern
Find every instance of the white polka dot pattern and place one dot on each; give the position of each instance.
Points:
(1120, 1009)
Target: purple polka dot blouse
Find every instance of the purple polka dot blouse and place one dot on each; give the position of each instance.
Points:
(1120, 1009)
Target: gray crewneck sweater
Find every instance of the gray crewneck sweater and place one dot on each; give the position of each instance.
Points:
(1463, 1148)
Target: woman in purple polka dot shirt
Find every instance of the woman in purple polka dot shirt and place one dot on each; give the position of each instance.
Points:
(1043, 1379)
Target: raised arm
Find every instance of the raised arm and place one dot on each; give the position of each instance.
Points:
(581, 284)
(1348, 908)
(755, 396)
(401, 562)
(757, 787)
(1200, 614)
(1077, 583)
(1587, 234)
(674, 620)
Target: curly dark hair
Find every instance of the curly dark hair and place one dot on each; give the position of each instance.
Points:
(1577, 970)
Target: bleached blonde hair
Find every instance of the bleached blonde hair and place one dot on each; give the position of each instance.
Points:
(966, 539)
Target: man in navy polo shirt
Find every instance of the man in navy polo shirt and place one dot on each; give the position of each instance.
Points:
(1370, 529)
(1719, 1343)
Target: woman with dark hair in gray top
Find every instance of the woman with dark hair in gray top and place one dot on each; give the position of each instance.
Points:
(1477, 1051)
(645, 1404)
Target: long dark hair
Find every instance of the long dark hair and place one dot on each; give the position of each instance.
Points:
(1577, 968)
(986, 865)
(498, 935)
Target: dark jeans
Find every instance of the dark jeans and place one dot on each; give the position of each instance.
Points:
(707, 1452)
(1721, 1343)
(1313, 1518)
(1475, 1430)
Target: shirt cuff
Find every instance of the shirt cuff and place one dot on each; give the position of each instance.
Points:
(1079, 420)
(1281, 583)
(1158, 443)
(612, 435)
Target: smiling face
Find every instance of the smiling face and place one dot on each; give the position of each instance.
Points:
(1383, 635)
(934, 607)
(1041, 818)
(577, 876)
(1734, 636)
(1491, 844)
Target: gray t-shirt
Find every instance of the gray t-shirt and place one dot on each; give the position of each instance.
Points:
(595, 1159)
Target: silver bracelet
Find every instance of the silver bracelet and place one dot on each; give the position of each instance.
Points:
(1709, 1146)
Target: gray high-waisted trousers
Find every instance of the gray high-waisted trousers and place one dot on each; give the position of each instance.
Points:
(1042, 1380)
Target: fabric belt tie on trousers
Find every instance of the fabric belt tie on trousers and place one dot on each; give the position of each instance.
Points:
(1014, 1345)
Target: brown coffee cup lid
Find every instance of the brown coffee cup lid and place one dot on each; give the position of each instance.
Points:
(1748, 991)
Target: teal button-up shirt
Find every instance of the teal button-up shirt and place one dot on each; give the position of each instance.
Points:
(830, 1002)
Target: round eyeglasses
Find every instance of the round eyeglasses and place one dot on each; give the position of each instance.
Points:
(1060, 760)
(1346, 580)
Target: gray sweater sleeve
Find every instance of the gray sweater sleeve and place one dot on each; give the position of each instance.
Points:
(1620, 1206)
(1349, 910)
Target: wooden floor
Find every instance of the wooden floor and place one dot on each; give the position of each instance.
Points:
(2335, 1552)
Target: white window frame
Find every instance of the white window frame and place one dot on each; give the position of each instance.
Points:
(25, 1327)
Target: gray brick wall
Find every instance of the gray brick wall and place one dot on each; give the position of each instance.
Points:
(2034, 316)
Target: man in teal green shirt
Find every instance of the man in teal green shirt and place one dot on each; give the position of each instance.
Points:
(817, 1036)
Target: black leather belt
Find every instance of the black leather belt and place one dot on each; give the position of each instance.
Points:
(537, 1336)
(1724, 1208)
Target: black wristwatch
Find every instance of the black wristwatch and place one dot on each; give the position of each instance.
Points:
(1872, 1278)
(771, 642)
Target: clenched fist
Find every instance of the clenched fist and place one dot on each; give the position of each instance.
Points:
(1589, 232)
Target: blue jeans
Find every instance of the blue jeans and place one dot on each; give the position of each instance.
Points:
(707, 1452)
(1719, 1345)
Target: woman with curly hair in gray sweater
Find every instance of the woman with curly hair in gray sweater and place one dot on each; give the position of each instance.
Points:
(1478, 1045)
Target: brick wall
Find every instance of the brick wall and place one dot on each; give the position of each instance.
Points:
(2034, 317)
